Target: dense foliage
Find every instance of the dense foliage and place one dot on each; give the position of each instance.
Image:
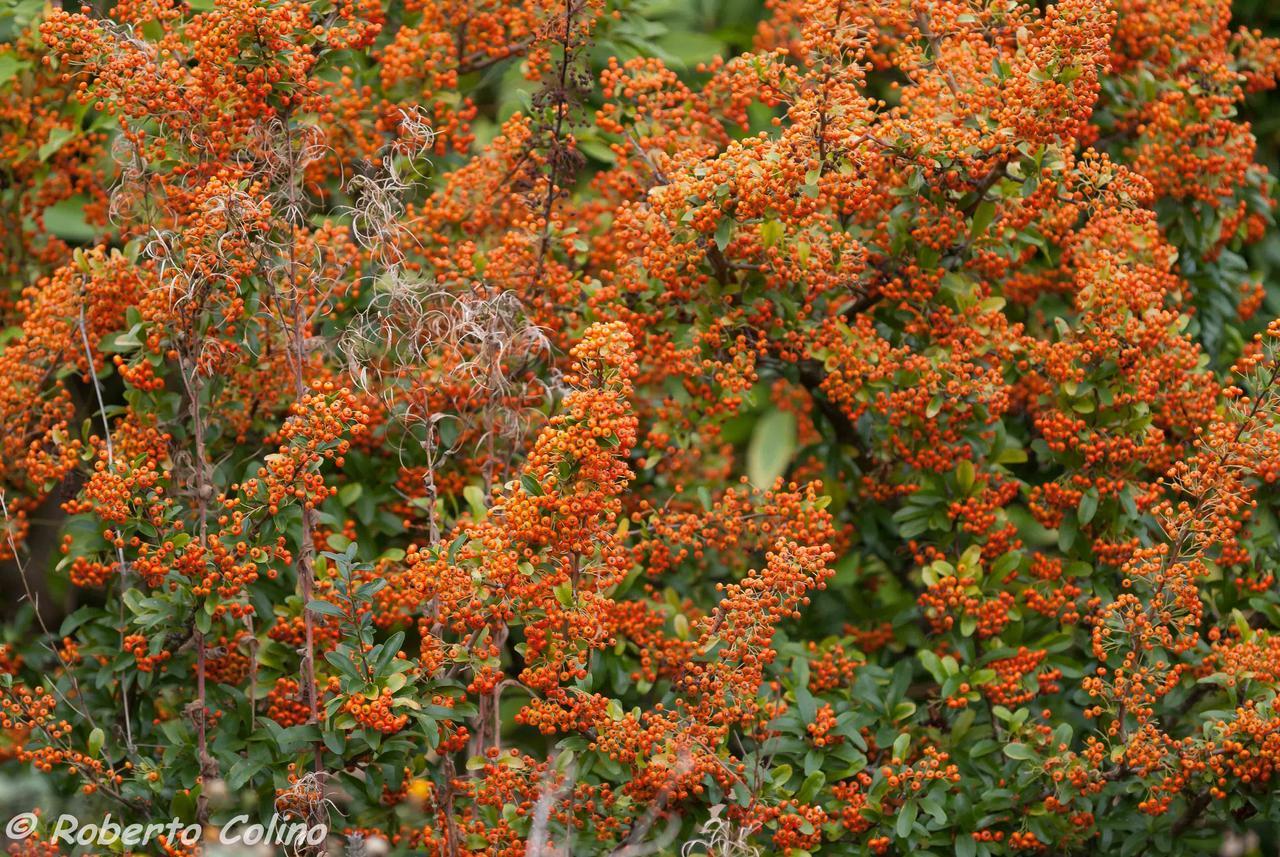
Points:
(614, 427)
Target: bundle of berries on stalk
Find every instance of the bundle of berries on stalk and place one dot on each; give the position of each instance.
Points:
(598, 427)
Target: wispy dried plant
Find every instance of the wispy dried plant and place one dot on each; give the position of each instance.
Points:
(721, 837)
(415, 341)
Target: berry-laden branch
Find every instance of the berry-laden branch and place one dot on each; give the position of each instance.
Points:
(595, 427)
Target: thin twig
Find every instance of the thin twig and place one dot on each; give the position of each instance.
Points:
(111, 463)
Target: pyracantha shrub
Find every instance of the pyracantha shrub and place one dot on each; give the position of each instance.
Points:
(611, 427)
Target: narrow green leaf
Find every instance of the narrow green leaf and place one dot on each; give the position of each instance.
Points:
(773, 443)
(982, 217)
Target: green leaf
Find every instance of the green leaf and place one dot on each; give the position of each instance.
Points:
(389, 650)
(907, 819)
(1021, 752)
(474, 495)
(811, 786)
(325, 608)
(1013, 455)
(933, 664)
(982, 217)
(564, 594)
(78, 618)
(10, 65)
(597, 150)
(58, 137)
(336, 741)
(241, 772)
(1088, 506)
(295, 738)
(342, 663)
(66, 220)
(771, 232)
(724, 233)
(690, 47)
(96, 739)
(773, 443)
(934, 809)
